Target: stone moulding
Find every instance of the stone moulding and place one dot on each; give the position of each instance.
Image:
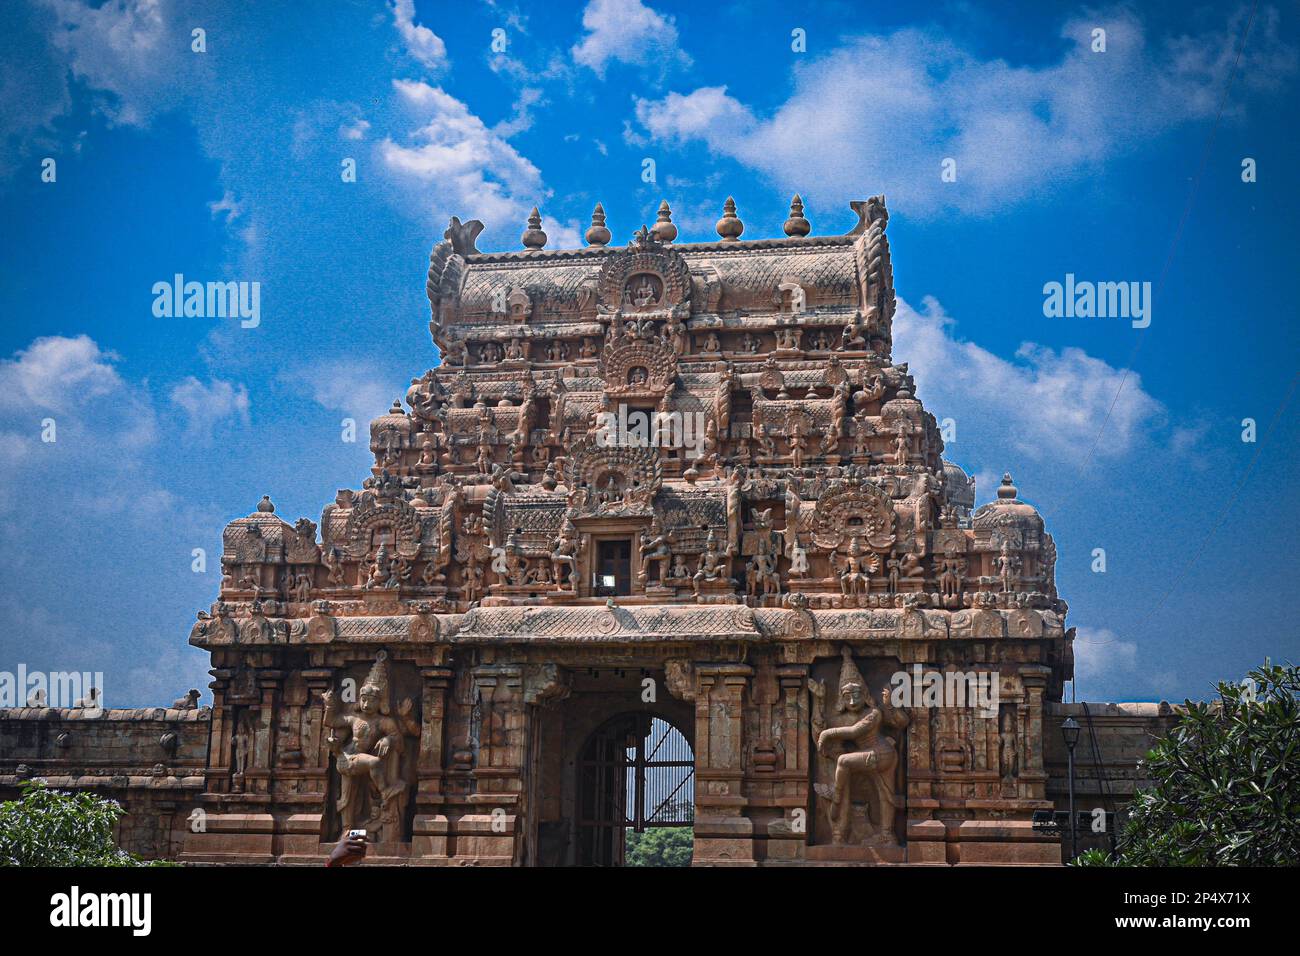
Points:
(584, 624)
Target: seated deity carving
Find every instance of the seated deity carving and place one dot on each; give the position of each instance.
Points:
(643, 291)
(714, 564)
(539, 573)
(855, 576)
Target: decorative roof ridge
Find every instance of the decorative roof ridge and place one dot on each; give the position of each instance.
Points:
(107, 714)
(592, 252)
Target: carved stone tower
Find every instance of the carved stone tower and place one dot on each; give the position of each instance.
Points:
(649, 485)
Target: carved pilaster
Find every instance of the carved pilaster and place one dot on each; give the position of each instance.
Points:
(1035, 678)
(318, 680)
(218, 769)
(270, 687)
(793, 681)
(437, 682)
(501, 735)
(723, 834)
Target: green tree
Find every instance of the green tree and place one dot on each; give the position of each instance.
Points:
(45, 827)
(1227, 782)
(660, 846)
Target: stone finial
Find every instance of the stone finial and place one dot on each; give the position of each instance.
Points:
(663, 229)
(265, 505)
(1007, 490)
(598, 234)
(729, 226)
(533, 237)
(797, 226)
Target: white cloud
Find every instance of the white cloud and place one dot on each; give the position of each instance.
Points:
(101, 425)
(130, 49)
(355, 130)
(228, 206)
(207, 405)
(458, 166)
(360, 390)
(420, 42)
(883, 112)
(89, 523)
(627, 31)
(74, 383)
(709, 113)
(522, 117)
(1048, 405)
(58, 374)
(1098, 651)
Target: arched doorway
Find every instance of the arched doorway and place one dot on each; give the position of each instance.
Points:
(635, 772)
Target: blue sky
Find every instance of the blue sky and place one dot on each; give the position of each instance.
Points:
(1122, 165)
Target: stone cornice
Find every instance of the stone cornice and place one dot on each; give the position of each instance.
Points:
(588, 624)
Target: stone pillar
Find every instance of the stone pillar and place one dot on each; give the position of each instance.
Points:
(793, 681)
(219, 756)
(489, 832)
(318, 681)
(304, 839)
(238, 826)
(1010, 837)
(723, 833)
(258, 780)
(1035, 678)
(432, 828)
(788, 836)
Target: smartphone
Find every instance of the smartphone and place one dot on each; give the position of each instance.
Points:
(356, 833)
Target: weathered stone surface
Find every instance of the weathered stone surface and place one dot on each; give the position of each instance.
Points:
(151, 760)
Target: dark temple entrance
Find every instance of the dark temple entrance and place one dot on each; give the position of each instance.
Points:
(636, 771)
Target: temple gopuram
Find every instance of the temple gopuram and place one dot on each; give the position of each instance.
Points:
(665, 539)
(683, 486)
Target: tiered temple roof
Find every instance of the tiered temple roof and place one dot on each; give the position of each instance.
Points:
(719, 425)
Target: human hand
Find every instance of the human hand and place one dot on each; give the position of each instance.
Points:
(350, 851)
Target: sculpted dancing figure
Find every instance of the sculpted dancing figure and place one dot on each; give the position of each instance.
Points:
(368, 754)
(861, 753)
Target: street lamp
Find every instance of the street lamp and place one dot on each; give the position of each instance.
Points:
(1070, 731)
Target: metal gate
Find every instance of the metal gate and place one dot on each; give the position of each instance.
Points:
(636, 771)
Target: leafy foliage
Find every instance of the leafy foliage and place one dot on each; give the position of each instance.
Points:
(1227, 789)
(660, 846)
(45, 827)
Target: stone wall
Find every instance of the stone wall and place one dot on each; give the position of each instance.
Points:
(1124, 733)
(150, 760)
(120, 754)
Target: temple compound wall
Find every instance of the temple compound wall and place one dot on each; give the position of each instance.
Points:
(1113, 739)
(652, 492)
(150, 760)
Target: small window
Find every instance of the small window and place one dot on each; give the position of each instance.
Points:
(613, 575)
